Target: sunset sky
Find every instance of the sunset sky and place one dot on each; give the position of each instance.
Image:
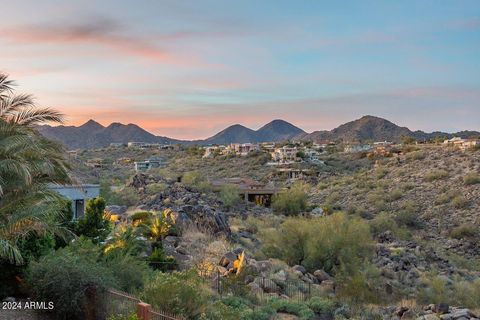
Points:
(187, 69)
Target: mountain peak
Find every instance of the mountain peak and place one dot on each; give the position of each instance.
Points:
(91, 124)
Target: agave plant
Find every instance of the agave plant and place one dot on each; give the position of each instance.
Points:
(28, 163)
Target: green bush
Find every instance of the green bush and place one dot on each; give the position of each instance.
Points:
(321, 305)
(292, 201)
(178, 292)
(471, 178)
(319, 243)
(230, 195)
(93, 225)
(436, 289)
(299, 309)
(132, 316)
(66, 278)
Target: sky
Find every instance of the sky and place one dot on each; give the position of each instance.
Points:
(187, 69)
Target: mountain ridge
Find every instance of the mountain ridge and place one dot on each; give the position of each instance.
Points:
(367, 128)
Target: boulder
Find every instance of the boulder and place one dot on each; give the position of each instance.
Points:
(228, 259)
(114, 209)
(299, 268)
(441, 308)
(321, 275)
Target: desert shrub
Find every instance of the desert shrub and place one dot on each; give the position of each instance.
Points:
(218, 310)
(338, 240)
(160, 261)
(155, 188)
(66, 277)
(436, 175)
(131, 316)
(382, 172)
(408, 218)
(178, 292)
(395, 194)
(127, 196)
(93, 225)
(442, 198)
(471, 178)
(193, 179)
(289, 242)
(229, 194)
(459, 202)
(141, 216)
(299, 309)
(292, 201)
(463, 231)
(383, 222)
(359, 283)
(437, 289)
(128, 271)
(321, 305)
(416, 155)
(317, 243)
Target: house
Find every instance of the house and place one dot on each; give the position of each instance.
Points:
(78, 195)
(249, 189)
(144, 145)
(117, 145)
(95, 163)
(469, 144)
(452, 141)
(148, 164)
(293, 174)
(285, 154)
(312, 155)
(210, 151)
(354, 148)
(241, 149)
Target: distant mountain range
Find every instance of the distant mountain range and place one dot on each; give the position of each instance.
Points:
(368, 128)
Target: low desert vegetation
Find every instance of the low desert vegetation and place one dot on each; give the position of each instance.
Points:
(292, 201)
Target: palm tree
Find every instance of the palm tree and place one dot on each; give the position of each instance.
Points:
(28, 163)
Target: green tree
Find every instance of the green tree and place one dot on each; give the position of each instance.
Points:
(94, 225)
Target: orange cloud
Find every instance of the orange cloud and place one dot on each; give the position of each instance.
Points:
(101, 32)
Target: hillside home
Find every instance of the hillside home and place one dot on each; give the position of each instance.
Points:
(148, 164)
(144, 145)
(312, 155)
(293, 174)
(117, 145)
(95, 163)
(249, 189)
(78, 195)
(241, 149)
(211, 151)
(354, 148)
(285, 154)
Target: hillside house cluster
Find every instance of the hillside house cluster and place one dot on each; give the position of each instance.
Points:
(462, 144)
(239, 149)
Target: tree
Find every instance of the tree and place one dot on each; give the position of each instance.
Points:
(28, 163)
(93, 224)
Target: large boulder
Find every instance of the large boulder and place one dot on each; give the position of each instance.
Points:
(204, 217)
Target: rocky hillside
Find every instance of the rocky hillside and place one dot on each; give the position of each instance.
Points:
(370, 128)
